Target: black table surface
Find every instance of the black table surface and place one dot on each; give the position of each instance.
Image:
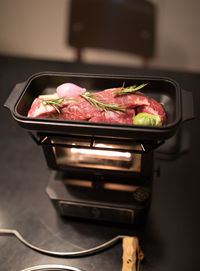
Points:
(170, 236)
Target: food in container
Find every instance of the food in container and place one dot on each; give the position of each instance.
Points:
(114, 105)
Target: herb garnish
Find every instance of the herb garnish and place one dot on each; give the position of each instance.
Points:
(99, 105)
(54, 102)
(129, 90)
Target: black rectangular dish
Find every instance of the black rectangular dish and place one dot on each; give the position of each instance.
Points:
(178, 105)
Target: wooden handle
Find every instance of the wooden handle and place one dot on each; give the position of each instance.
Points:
(129, 257)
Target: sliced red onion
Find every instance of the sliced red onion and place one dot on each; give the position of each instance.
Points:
(69, 90)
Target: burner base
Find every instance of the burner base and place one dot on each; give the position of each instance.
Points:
(109, 202)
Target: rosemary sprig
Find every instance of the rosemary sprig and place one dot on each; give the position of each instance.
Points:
(54, 102)
(99, 105)
(129, 90)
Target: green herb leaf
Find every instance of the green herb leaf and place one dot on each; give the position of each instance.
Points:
(53, 102)
(129, 90)
(91, 98)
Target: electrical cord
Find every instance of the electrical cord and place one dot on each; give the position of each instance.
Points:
(63, 254)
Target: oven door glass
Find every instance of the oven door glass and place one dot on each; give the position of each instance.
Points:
(103, 154)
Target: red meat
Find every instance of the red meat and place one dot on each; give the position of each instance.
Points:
(38, 110)
(115, 117)
(81, 109)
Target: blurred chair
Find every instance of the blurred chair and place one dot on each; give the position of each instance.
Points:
(120, 25)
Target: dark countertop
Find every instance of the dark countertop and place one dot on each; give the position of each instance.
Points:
(170, 237)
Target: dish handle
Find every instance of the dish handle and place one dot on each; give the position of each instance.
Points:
(187, 106)
(14, 95)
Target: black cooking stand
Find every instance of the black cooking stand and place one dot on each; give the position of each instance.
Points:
(170, 234)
